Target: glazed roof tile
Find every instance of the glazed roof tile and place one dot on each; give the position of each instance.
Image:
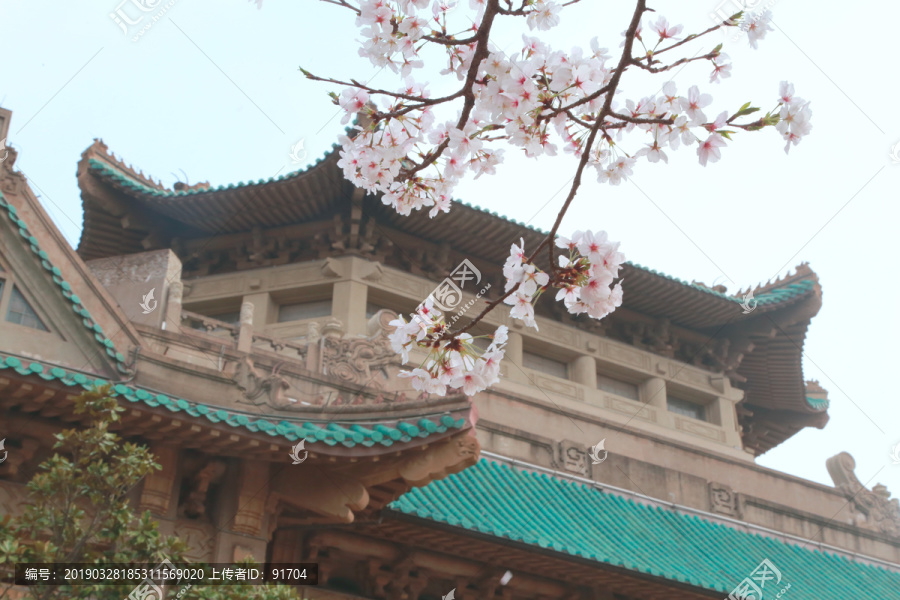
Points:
(124, 179)
(580, 520)
(65, 288)
(330, 433)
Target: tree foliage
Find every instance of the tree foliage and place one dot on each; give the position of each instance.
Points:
(79, 511)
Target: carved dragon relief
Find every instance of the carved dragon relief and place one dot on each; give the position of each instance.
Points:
(873, 508)
(353, 359)
(358, 361)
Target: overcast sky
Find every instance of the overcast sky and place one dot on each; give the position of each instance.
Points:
(212, 90)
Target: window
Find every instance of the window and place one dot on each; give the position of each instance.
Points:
(545, 365)
(686, 408)
(617, 387)
(304, 310)
(21, 313)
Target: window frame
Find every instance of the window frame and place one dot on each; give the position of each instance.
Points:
(542, 357)
(636, 386)
(703, 408)
(7, 282)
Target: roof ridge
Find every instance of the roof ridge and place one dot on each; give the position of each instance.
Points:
(404, 430)
(125, 173)
(125, 176)
(66, 289)
(100, 147)
(801, 271)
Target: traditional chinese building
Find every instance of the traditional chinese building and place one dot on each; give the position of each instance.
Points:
(234, 322)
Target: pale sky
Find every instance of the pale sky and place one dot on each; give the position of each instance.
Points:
(212, 89)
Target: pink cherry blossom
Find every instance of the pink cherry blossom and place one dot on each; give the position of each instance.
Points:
(709, 150)
(537, 99)
(666, 31)
(758, 26)
(694, 102)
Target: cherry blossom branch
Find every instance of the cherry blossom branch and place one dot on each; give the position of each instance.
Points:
(521, 11)
(344, 4)
(422, 102)
(682, 61)
(481, 52)
(582, 163)
(690, 38)
(529, 102)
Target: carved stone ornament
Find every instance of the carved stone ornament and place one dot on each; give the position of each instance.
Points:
(194, 505)
(875, 508)
(573, 457)
(200, 539)
(353, 359)
(723, 500)
(258, 388)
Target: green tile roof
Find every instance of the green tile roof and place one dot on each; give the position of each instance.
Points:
(111, 172)
(107, 170)
(330, 433)
(579, 520)
(64, 287)
(817, 403)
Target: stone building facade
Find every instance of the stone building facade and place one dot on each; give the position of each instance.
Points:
(234, 322)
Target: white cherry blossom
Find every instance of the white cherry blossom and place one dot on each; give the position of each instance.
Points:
(540, 100)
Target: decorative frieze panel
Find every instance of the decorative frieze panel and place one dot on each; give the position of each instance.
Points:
(573, 457)
(625, 355)
(689, 376)
(724, 500)
(200, 539)
(630, 408)
(560, 387)
(697, 428)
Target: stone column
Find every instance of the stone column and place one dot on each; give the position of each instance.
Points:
(653, 393)
(245, 331)
(252, 494)
(724, 408)
(584, 371)
(348, 305)
(265, 311)
(156, 495)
